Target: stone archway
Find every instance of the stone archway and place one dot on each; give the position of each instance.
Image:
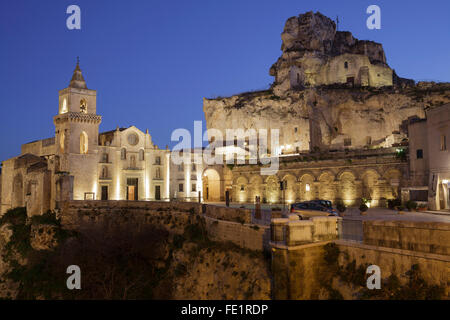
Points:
(290, 194)
(272, 190)
(17, 196)
(211, 185)
(256, 186)
(391, 189)
(370, 188)
(347, 188)
(241, 190)
(306, 191)
(326, 186)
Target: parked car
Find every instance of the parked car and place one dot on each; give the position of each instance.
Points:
(325, 203)
(305, 210)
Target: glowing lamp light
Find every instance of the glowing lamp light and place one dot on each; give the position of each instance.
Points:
(445, 181)
(307, 187)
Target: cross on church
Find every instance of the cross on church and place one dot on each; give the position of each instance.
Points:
(78, 60)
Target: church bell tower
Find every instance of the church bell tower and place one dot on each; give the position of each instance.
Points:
(76, 134)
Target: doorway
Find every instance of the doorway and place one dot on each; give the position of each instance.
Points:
(157, 192)
(104, 192)
(211, 185)
(132, 189)
(351, 81)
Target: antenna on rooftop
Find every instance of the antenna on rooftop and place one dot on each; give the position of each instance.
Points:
(337, 23)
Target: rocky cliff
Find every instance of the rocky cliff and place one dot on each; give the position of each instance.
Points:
(164, 256)
(314, 32)
(331, 91)
(329, 117)
(315, 53)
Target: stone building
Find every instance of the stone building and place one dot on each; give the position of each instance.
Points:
(344, 176)
(186, 177)
(194, 178)
(430, 159)
(81, 163)
(315, 53)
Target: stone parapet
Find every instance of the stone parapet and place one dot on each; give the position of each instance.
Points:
(431, 237)
(290, 232)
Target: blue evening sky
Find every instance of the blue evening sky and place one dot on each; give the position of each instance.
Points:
(152, 62)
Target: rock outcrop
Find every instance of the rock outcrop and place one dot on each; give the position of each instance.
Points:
(328, 118)
(220, 273)
(314, 53)
(331, 91)
(317, 33)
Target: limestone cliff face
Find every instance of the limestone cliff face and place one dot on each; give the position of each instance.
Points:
(328, 117)
(220, 273)
(331, 91)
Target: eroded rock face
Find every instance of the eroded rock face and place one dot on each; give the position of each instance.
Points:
(328, 118)
(216, 274)
(314, 53)
(5, 234)
(308, 31)
(43, 237)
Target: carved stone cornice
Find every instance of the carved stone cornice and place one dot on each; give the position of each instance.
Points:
(77, 117)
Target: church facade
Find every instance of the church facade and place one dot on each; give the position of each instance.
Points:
(82, 164)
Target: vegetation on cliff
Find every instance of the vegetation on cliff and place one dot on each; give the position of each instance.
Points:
(412, 287)
(125, 261)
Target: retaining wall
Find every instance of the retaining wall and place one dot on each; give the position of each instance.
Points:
(220, 222)
(431, 237)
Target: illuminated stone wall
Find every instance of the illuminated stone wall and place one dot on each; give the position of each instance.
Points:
(377, 178)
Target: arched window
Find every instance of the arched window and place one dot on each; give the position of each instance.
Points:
(346, 65)
(141, 155)
(105, 158)
(123, 154)
(83, 143)
(64, 106)
(83, 106)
